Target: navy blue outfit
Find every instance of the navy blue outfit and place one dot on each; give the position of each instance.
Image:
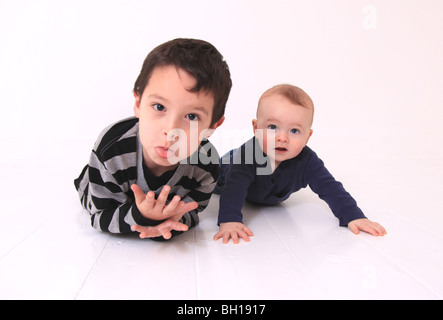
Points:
(246, 174)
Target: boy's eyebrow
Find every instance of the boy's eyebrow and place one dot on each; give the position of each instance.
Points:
(156, 96)
(201, 109)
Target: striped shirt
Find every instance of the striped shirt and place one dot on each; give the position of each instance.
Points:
(116, 162)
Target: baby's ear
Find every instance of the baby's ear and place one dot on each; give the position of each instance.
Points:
(310, 134)
(254, 124)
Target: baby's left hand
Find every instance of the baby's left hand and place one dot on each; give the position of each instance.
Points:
(368, 226)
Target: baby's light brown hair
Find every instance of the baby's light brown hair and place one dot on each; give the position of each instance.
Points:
(294, 94)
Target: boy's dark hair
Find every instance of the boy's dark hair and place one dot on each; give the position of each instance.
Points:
(200, 59)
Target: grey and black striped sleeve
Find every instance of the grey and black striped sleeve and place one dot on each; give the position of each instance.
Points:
(111, 205)
(104, 184)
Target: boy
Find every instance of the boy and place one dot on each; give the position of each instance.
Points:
(275, 163)
(155, 172)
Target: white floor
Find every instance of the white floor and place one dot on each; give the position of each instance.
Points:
(49, 251)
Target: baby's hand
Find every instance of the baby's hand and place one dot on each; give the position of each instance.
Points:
(157, 209)
(163, 229)
(368, 226)
(233, 230)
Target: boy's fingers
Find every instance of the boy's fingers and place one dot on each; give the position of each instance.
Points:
(167, 234)
(138, 193)
(188, 207)
(146, 232)
(164, 229)
(161, 200)
(150, 199)
(174, 225)
(171, 208)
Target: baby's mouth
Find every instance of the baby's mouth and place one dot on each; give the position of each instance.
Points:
(281, 149)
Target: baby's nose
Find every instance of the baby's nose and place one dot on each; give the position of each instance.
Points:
(282, 137)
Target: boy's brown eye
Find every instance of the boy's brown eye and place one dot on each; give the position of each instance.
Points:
(192, 117)
(159, 107)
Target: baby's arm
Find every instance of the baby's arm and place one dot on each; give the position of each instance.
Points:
(342, 204)
(233, 230)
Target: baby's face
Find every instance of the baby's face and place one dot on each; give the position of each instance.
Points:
(286, 127)
(173, 120)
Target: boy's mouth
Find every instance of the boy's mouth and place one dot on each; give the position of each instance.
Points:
(163, 152)
(280, 149)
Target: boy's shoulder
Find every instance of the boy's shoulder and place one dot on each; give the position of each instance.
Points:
(116, 139)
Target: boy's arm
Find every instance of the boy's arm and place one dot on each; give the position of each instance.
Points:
(110, 203)
(200, 187)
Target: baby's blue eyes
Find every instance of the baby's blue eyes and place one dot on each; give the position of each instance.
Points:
(160, 108)
(274, 127)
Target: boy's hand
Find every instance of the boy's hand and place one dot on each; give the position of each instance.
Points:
(164, 229)
(157, 209)
(368, 226)
(233, 230)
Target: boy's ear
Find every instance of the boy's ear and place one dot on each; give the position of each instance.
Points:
(136, 104)
(217, 124)
(208, 132)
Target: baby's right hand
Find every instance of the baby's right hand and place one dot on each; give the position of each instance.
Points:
(233, 230)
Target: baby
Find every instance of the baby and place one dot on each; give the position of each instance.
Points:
(276, 162)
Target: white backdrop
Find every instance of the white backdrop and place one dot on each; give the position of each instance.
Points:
(373, 68)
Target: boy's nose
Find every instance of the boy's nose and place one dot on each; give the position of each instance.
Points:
(171, 129)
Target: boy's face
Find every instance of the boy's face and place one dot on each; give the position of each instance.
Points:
(286, 127)
(173, 120)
